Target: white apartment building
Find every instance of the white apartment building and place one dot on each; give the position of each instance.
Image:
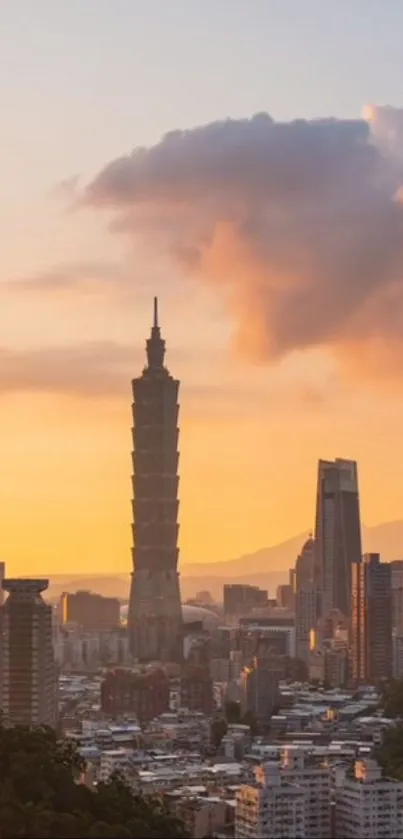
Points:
(292, 772)
(314, 778)
(271, 809)
(114, 760)
(369, 805)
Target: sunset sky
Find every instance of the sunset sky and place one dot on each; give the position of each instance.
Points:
(275, 247)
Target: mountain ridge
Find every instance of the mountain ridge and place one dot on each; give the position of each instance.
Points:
(266, 567)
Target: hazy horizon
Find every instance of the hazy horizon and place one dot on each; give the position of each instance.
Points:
(243, 161)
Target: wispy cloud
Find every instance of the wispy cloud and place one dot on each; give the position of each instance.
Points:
(90, 370)
(86, 277)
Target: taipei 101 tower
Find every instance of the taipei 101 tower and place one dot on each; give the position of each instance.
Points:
(155, 615)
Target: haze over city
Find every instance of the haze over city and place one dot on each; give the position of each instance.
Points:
(272, 240)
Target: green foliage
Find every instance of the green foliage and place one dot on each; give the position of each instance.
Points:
(390, 753)
(219, 728)
(249, 719)
(40, 797)
(231, 716)
(232, 712)
(392, 699)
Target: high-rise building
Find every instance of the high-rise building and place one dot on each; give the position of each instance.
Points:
(259, 686)
(29, 678)
(337, 532)
(306, 599)
(296, 768)
(90, 611)
(271, 808)
(155, 615)
(371, 620)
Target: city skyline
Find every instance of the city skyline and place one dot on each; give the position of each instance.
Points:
(263, 398)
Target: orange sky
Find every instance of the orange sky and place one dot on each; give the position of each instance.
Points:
(250, 435)
(247, 475)
(75, 310)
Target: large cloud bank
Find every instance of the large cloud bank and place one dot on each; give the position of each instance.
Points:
(299, 226)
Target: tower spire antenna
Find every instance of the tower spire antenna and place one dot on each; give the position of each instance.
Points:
(155, 345)
(155, 313)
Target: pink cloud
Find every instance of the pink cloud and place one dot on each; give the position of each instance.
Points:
(296, 224)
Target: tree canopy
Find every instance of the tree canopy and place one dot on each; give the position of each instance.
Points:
(392, 699)
(40, 796)
(390, 753)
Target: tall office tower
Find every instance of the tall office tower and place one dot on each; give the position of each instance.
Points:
(337, 532)
(259, 686)
(155, 614)
(29, 680)
(306, 599)
(371, 620)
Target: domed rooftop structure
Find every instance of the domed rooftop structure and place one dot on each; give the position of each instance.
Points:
(190, 614)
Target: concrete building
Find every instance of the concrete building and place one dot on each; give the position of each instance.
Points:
(337, 532)
(278, 632)
(271, 808)
(196, 689)
(311, 817)
(202, 815)
(29, 679)
(259, 686)
(397, 596)
(76, 649)
(368, 805)
(155, 616)
(89, 611)
(285, 597)
(2, 576)
(371, 621)
(241, 600)
(315, 780)
(306, 599)
(143, 692)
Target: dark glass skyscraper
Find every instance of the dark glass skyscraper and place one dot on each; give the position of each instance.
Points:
(155, 616)
(337, 532)
(371, 621)
(306, 598)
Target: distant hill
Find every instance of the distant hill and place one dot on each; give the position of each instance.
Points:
(386, 539)
(276, 558)
(267, 567)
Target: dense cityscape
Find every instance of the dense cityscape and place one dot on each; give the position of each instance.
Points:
(264, 715)
(201, 386)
